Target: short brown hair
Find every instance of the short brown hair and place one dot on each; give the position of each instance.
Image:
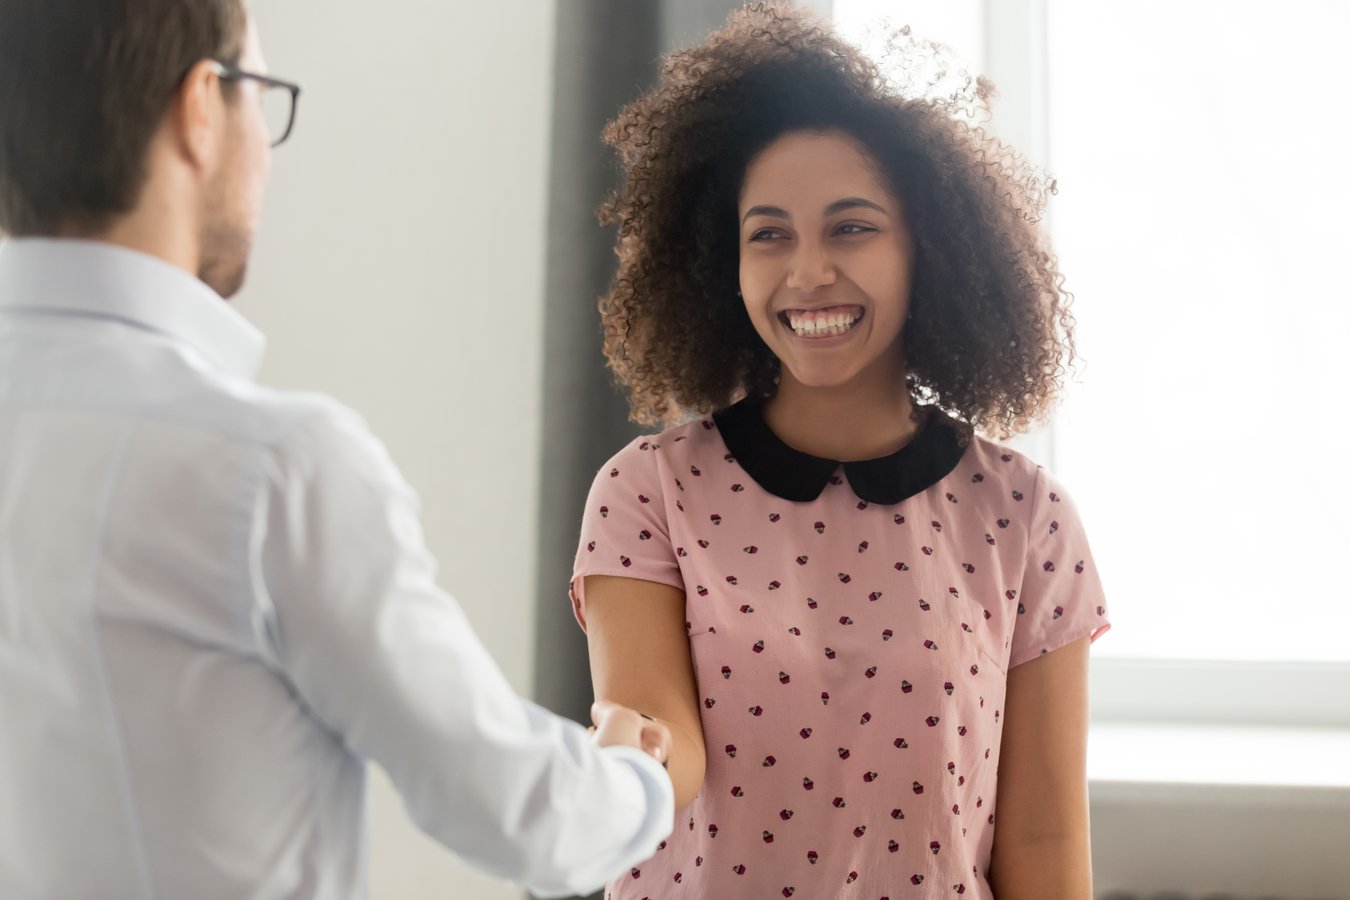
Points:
(84, 84)
(990, 331)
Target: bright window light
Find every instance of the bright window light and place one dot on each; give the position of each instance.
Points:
(956, 23)
(1201, 223)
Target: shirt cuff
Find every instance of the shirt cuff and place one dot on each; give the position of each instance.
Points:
(660, 799)
(655, 805)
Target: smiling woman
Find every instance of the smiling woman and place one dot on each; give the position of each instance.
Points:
(865, 623)
(988, 342)
(825, 274)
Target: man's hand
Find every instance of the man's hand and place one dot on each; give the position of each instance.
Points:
(615, 724)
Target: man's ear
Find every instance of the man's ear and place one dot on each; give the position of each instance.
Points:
(196, 116)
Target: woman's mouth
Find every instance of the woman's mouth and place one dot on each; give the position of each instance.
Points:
(821, 323)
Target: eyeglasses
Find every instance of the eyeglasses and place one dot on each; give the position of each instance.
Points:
(279, 99)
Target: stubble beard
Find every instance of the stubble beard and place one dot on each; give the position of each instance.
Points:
(226, 241)
(224, 261)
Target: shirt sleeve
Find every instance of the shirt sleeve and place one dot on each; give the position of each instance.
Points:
(625, 529)
(1061, 599)
(388, 661)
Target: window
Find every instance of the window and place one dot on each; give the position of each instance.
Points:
(1200, 151)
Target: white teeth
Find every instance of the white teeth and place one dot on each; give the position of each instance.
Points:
(830, 325)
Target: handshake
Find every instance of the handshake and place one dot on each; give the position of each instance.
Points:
(619, 725)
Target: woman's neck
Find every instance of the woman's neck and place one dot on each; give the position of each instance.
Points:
(846, 422)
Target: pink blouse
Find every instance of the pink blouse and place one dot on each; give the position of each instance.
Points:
(851, 656)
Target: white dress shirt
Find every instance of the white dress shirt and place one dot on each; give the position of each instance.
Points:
(216, 604)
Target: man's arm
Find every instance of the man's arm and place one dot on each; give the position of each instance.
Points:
(383, 657)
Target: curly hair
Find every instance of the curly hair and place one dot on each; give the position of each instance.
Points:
(990, 333)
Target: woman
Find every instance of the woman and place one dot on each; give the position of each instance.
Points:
(865, 624)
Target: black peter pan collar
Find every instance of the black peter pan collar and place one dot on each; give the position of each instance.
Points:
(793, 475)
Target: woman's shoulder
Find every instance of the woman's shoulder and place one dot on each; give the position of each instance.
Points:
(1032, 488)
(990, 459)
(689, 441)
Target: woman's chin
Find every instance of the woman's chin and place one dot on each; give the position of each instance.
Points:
(821, 377)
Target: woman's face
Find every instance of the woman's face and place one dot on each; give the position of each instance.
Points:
(825, 259)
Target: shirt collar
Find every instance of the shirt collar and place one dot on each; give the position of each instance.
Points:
(89, 279)
(793, 475)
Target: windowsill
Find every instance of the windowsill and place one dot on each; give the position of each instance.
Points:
(1199, 809)
(1133, 754)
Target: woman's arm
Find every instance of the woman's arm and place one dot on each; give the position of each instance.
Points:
(1041, 844)
(640, 659)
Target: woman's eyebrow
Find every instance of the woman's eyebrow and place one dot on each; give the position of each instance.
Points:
(839, 206)
(776, 212)
(834, 208)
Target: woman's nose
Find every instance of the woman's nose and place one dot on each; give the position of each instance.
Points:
(810, 268)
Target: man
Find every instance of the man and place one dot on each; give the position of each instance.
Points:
(215, 602)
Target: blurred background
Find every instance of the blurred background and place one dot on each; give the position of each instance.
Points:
(430, 256)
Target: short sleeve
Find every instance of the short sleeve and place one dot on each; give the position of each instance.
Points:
(1061, 599)
(625, 530)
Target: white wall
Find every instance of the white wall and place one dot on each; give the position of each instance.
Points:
(400, 269)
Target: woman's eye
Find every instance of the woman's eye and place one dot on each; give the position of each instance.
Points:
(764, 234)
(853, 228)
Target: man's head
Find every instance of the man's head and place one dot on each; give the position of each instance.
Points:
(117, 121)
